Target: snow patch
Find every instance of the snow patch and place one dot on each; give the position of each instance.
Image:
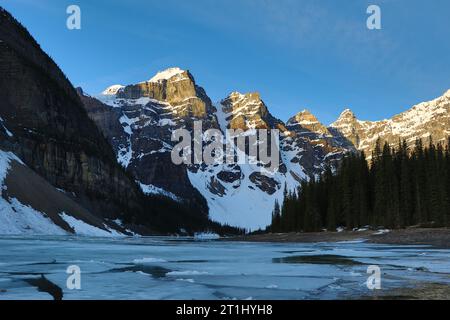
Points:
(187, 280)
(81, 228)
(5, 159)
(125, 154)
(6, 129)
(112, 90)
(166, 122)
(206, 236)
(187, 273)
(150, 189)
(148, 260)
(382, 231)
(19, 219)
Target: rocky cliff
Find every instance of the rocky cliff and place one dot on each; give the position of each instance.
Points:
(44, 123)
(247, 111)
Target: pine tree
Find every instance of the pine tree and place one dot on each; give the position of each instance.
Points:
(276, 218)
(447, 184)
(330, 200)
(406, 186)
(364, 189)
(378, 188)
(419, 181)
(440, 187)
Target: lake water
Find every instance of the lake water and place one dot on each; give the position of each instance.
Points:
(174, 268)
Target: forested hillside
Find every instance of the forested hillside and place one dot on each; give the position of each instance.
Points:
(399, 187)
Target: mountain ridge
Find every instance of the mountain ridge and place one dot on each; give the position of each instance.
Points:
(153, 110)
(429, 119)
(111, 150)
(307, 148)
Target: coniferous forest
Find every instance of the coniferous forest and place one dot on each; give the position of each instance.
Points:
(397, 188)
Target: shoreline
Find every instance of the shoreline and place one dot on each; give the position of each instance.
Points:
(418, 291)
(437, 237)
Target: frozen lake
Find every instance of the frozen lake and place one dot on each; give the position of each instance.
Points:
(174, 268)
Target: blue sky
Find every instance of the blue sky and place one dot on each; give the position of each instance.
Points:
(314, 54)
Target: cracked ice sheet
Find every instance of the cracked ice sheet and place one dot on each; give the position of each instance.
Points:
(166, 268)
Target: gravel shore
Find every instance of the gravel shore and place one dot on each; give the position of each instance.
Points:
(438, 237)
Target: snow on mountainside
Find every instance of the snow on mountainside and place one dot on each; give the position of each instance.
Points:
(244, 196)
(18, 217)
(236, 194)
(167, 74)
(422, 121)
(240, 194)
(112, 90)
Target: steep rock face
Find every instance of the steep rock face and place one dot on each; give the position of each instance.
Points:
(106, 118)
(311, 145)
(175, 87)
(48, 128)
(305, 121)
(148, 113)
(247, 111)
(427, 119)
(108, 122)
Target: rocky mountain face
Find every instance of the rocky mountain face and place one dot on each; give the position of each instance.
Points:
(44, 123)
(247, 111)
(147, 114)
(306, 122)
(425, 120)
(237, 194)
(312, 145)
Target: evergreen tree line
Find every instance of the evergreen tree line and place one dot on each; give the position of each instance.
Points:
(398, 188)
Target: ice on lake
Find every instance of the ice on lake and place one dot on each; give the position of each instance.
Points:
(181, 268)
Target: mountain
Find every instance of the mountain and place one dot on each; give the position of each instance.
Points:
(49, 130)
(422, 121)
(307, 122)
(108, 157)
(236, 194)
(57, 166)
(147, 113)
(246, 111)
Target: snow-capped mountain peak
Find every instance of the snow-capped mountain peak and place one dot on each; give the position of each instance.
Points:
(168, 74)
(303, 117)
(346, 114)
(424, 120)
(345, 122)
(112, 90)
(236, 95)
(306, 120)
(247, 111)
(249, 97)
